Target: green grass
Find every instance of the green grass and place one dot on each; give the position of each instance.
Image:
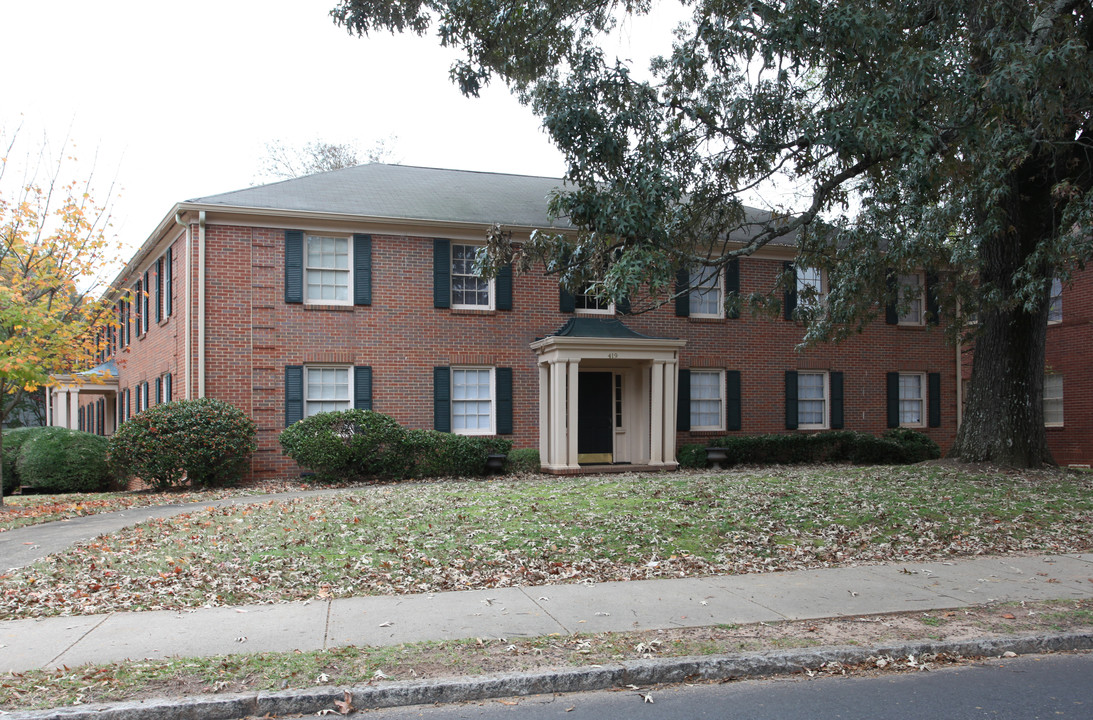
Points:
(479, 534)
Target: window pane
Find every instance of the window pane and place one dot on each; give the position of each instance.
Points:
(1053, 399)
(471, 401)
(1055, 310)
(327, 268)
(811, 401)
(910, 399)
(327, 389)
(911, 297)
(467, 287)
(705, 295)
(705, 399)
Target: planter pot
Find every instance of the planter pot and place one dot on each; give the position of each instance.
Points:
(715, 456)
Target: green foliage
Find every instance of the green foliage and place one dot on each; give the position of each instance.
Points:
(350, 445)
(437, 454)
(902, 446)
(59, 460)
(13, 446)
(524, 460)
(205, 441)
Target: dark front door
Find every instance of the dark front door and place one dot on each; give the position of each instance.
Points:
(595, 419)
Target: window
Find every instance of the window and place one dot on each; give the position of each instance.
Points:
(812, 400)
(1053, 400)
(326, 389)
(472, 401)
(468, 289)
(586, 301)
(810, 286)
(1055, 309)
(912, 299)
(143, 299)
(707, 400)
(912, 400)
(705, 297)
(327, 270)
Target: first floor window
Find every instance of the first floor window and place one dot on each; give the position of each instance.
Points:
(326, 389)
(706, 293)
(472, 400)
(327, 269)
(912, 299)
(1053, 400)
(812, 396)
(469, 290)
(707, 400)
(911, 400)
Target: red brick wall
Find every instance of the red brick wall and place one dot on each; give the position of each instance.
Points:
(1068, 353)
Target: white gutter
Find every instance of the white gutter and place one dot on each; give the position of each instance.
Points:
(959, 386)
(201, 304)
(187, 304)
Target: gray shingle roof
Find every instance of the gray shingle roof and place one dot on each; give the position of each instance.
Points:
(406, 192)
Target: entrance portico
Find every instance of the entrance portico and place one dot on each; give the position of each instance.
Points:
(607, 395)
(63, 397)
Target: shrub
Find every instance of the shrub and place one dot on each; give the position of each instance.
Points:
(524, 460)
(348, 445)
(437, 454)
(897, 446)
(206, 441)
(691, 456)
(59, 460)
(13, 445)
(872, 450)
(917, 446)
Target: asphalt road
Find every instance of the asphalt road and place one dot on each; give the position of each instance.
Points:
(1024, 688)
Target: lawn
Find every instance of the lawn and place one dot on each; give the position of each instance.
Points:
(428, 537)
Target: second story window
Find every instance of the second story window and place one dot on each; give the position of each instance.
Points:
(327, 269)
(469, 290)
(912, 299)
(1055, 309)
(810, 285)
(705, 297)
(587, 301)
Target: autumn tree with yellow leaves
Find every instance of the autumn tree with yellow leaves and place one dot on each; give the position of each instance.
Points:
(53, 252)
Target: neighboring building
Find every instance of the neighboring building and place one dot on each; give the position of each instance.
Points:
(355, 288)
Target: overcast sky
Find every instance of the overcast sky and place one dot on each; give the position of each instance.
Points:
(178, 100)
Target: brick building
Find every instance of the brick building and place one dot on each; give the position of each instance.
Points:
(355, 288)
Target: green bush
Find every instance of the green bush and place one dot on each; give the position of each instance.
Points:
(349, 445)
(13, 445)
(836, 446)
(691, 456)
(205, 441)
(438, 454)
(917, 447)
(59, 460)
(524, 460)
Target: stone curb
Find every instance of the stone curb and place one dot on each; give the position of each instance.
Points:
(638, 672)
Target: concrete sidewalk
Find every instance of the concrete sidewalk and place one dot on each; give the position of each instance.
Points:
(533, 611)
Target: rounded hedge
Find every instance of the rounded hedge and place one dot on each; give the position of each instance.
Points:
(59, 460)
(14, 440)
(205, 441)
(348, 445)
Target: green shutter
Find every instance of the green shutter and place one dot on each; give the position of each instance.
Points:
(791, 399)
(362, 269)
(891, 307)
(567, 301)
(159, 290)
(683, 401)
(294, 394)
(442, 273)
(362, 387)
(892, 389)
(159, 390)
(623, 306)
(167, 389)
(835, 382)
(732, 400)
(789, 306)
(683, 296)
(442, 399)
(933, 312)
(169, 289)
(294, 266)
(933, 381)
(503, 287)
(503, 381)
(732, 286)
(145, 299)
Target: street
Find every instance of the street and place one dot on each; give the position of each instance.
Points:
(1024, 688)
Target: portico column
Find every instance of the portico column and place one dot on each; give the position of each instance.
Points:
(557, 415)
(571, 455)
(656, 413)
(670, 381)
(74, 408)
(60, 405)
(544, 414)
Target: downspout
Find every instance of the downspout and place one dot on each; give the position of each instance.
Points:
(187, 304)
(201, 305)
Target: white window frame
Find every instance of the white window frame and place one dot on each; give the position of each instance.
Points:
(1055, 302)
(308, 400)
(904, 300)
(586, 296)
(921, 399)
(1053, 399)
(826, 422)
(818, 285)
(348, 271)
(702, 288)
(491, 302)
(492, 429)
(720, 374)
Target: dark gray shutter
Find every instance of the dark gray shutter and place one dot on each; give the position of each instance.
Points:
(159, 290)
(362, 269)
(892, 389)
(732, 400)
(683, 401)
(789, 299)
(503, 287)
(294, 394)
(567, 301)
(145, 300)
(442, 273)
(503, 381)
(933, 312)
(732, 285)
(891, 307)
(362, 387)
(933, 381)
(835, 389)
(791, 399)
(294, 266)
(169, 289)
(167, 390)
(683, 297)
(102, 416)
(623, 306)
(442, 399)
(159, 390)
